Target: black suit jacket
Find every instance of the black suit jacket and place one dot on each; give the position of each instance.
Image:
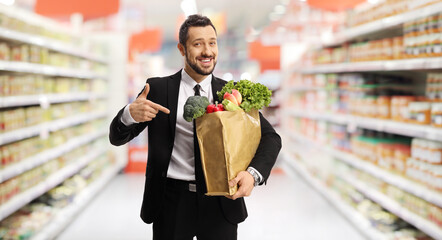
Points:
(161, 135)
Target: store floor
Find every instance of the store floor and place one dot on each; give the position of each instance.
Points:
(286, 208)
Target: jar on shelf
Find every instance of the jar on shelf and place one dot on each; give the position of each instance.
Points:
(417, 148)
(436, 114)
(398, 47)
(383, 106)
(434, 152)
(420, 112)
(401, 154)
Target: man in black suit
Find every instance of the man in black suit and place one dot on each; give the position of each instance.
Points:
(174, 199)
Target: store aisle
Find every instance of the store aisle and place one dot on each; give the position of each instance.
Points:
(287, 208)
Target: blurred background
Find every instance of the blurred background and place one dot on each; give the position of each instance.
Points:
(357, 100)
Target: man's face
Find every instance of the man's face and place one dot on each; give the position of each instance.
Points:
(201, 50)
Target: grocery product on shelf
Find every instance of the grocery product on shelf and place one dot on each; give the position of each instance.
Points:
(381, 222)
(408, 201)
(384, 9)
(53, 90)
(34, 217)
(13, 152)
(25, 181)
(22, 117)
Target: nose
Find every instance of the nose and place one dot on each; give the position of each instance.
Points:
(206, 50)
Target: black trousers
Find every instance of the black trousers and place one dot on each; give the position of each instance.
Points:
(186, 214)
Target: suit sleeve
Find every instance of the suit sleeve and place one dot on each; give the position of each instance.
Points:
(120, 134)
(268, 149)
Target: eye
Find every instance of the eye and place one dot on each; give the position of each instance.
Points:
(213, 43)
(197, 44)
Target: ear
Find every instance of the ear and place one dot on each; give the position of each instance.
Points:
(181, 48)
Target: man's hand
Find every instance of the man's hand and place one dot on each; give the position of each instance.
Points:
(245, 183)
(143, 110)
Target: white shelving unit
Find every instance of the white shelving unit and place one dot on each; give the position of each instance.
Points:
(381, 25)
(52, 181)
(406, 129)
(67, 214)
(386, 27)
(34, 68)
(51, 44)
(38, 159)
(374, 66)
(16, 101)
(359, 221)
(403, 183)
(71, 48)
(45, 128)
(42, 41)
(391, 205)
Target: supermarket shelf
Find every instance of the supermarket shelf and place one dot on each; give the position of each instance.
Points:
(391, 205)
(50, 182)
(403, 183)
(391, 65)
(305, 88)
(360, 222)
(382, 25)
(25, 67)
(406, 129)
(38, 159)
(67, 214)
(44, 128)
(15, 101)
(51, 44)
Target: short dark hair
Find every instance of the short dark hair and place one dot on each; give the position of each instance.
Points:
(195, 20)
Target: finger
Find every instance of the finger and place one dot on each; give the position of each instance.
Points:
(238, 194)
(159, 107)
(234, 182)
(145, 91)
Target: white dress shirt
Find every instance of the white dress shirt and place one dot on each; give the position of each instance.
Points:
(182, 163)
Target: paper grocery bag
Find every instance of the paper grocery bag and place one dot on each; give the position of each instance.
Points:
(228, 141)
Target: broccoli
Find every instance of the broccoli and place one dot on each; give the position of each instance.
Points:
(195, 107)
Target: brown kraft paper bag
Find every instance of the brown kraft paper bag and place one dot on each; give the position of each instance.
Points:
(228, 141)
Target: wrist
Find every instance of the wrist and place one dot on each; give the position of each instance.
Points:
(255, 176)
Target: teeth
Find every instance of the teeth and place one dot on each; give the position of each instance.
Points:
(205, 60)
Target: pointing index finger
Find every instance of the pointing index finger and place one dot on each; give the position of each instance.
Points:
(160, 108)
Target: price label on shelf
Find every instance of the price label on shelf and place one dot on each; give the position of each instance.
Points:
(44, 133)
(44, 102)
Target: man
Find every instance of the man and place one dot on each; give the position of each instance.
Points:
(174, 199)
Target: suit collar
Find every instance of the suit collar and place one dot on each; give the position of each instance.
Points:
(217, 85)
(173, 88)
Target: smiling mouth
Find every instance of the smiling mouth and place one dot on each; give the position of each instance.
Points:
(205, 61)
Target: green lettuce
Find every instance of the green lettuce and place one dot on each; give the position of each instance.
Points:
(254, 95)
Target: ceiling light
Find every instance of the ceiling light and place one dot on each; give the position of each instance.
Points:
(228, 76)
(246, 76)
(189, 7)
(279, 9)
(274, 17)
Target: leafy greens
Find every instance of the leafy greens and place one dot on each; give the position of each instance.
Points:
(254, 95)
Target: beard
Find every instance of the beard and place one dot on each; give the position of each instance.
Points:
(199, 70)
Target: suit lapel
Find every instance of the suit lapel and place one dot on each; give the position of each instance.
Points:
(173, 88)
(217, 85)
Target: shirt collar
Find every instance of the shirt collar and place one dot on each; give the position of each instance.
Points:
(205, 84)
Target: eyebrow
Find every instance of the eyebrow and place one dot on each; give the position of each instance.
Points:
(199, 39)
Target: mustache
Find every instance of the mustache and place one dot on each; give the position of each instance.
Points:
(206, 56)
